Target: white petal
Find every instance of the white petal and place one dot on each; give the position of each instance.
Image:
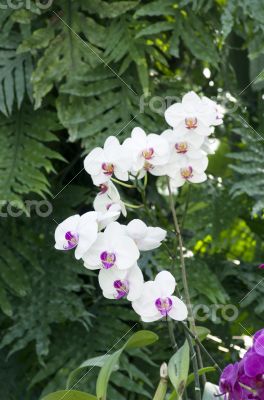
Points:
(93, 161)
(145, 304)
(139, 136)
(107, 277)
(152, 240)
(100, 178)
(200, 164)
(126, 252)
(136, 229)
(154, 318)
(191, 98)
(177, 180)
(68, 225)
(87, 230)
(92, 257)
(114, 230)
(166, 283)
(111, 142)
(121, 174)
(198, 178)
(105, 218)
(136, 282)
(174, 114)
(161, 149)
(179, 311)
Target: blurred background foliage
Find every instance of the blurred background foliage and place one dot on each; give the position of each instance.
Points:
(73, 74)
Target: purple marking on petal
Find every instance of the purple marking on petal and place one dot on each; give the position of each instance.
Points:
(122, 288)
(103, 188)
(108, 169)
(108, 259)
(261, 266)
(108, 206)
(164, 305)
(72, 239)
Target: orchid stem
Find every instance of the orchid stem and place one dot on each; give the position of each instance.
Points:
(123, 184)
(171, 334)
(197, 387)
(145, 180)
(215, 365)
(184, 274)
(133, 206)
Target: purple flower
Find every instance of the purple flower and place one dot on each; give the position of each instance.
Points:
(229, 383)
(244, 380)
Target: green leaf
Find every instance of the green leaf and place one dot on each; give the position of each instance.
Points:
(160, 7)
(178, 368)
(108, 10)
(141, 339)
(25, 157)
(138, 339)
(138, 55)
(210, 391)
(199, 40)
(92, 362)
(69, 395)
(158, 27)
(202, 332)
(15, 71)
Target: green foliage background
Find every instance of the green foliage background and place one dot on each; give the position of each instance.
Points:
(59, 97)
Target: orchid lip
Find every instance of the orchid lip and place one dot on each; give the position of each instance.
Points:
(122, 288)
(187, 172)
(181, 147)
(108, 259)
(108, 168)
(72, 239)
(164, 305)
(191, 123)
(148, 153)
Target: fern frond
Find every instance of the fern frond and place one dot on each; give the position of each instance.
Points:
(25, 156)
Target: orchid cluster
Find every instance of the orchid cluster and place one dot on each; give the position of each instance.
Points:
(180, 152)
(114, 249)
(244, 379)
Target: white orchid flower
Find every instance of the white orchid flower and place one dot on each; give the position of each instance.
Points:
(102, 164)
(78, 232)
(117, 284)
(192, 115)
(112, 248)
(188, 170)
(157, 300)
(146, 152)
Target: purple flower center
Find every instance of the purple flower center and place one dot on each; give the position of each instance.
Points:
(164, 305)
(122, 288)
(108, 168)
(72, 239)
(108, 259)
